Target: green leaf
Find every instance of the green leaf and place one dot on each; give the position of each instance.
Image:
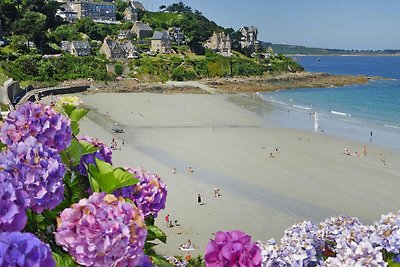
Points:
(88, 148)
(2, 146)
(155, 232)
(69, 109)
(160, 261)
(105, 181)
(72, 155)
(92, 172)
(75, 127)
(78, 114)
(104, 167)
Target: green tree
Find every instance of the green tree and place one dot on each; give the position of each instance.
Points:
(32, 26)
(18, 43)
(65, 33)
(8, 14)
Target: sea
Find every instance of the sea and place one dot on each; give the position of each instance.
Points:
(369, 113)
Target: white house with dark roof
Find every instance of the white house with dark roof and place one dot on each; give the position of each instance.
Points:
(67, 13)
(249, 36)
(142, 30)
(161, 42)
(219, 42)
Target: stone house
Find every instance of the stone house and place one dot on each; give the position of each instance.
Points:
(67, 13)
(116, 49)
(125, 34)
(161, 42)
(142, 30)
(98, 11)
(131, 14)
(249, 36)
(219, 42)
(77, 48)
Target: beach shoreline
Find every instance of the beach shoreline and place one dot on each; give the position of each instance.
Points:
(228, 145)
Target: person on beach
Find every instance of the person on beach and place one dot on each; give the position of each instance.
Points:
(216, 192)
(190, 170)
(365, 151)
(199, 199)
(271, 156)
(167, 219)
(173, 170)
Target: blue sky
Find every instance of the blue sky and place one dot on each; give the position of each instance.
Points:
(344, 24)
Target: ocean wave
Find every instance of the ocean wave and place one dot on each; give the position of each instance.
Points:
(340, 113)
(392, 126)
(297, 106)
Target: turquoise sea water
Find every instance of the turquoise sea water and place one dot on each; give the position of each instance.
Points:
(351, 111)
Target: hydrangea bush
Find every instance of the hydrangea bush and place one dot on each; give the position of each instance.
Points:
(63, 203)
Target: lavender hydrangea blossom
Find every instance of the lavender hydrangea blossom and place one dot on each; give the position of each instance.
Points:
(103, 231)
(104, 153)
(356, 254)
(13, 204)
(38, 120)
(271, 254)
(301, 246)
(24, 250)
(38, 170)
(149, 194)
(232, 248)
(387, 234)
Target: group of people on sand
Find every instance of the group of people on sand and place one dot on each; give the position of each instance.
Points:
(274, 154)
(114, 145)
(171, 223)
(355, 153)
(189, 170)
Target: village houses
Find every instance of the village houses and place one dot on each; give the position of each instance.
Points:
(76, 48)
(249, 36)
(161, 42)
(117, 49)
(142, 30)
(220, 43)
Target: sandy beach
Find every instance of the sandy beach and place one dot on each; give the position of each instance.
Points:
(228, 146)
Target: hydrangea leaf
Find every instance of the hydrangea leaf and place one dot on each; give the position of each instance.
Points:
(75, 127)
(153, 232)
(68, 109)
(2, 146)
(160, 262)
(72, 155)
(88, 148)
(103, 167)
(78, 114)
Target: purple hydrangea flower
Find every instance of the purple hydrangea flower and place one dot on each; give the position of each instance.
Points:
(103, 231)
(356, 254)
(301, 246)
(104, 153)
(25, 250)
(387, 234)
(13, 204)
(38, 120)
(335, 228)
(38, 170)
(150, 194)
(233, 248)
(271, 254)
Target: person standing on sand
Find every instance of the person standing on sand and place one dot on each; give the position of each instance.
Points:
(167, 219)
(188, 256)
(199, 199)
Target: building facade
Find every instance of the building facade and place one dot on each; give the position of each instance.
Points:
(161, 42)
(142, 30)
(249, 36)
(99, 11)
(219, 42)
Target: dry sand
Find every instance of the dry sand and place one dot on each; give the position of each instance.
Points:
(228, 147)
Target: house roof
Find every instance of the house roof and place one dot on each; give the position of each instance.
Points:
(137, 5)
(143, 26)
(161, 35)
(123, 32)
(81, 44)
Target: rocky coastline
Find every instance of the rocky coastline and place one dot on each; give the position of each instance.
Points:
(269, 82)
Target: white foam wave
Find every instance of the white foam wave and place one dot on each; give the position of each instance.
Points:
(297, 106)
(338, 113)
(392, 126)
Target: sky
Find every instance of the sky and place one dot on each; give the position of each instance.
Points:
(341, 24)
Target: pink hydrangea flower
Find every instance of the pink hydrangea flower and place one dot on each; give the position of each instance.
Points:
(103, 230)
(232, 248)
